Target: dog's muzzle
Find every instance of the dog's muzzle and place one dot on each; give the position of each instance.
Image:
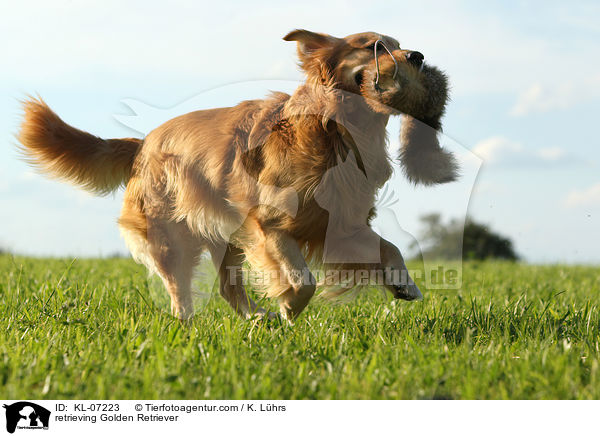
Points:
(415, 58)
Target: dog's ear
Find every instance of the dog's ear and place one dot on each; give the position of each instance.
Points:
(311, 46)
(423, 159)
(309, 42)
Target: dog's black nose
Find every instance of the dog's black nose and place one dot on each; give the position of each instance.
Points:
(415, 58)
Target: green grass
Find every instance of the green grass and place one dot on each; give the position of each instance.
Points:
(90, 329)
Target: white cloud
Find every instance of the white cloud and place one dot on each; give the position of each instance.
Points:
(586, 197)
(551, 153)
(28, 174)
(488, 188)
(498, 150)
(540, 98)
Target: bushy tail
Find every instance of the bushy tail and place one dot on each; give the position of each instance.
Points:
(61, 151)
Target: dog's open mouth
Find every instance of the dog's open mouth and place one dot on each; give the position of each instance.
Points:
(414, 58)
(410, 90)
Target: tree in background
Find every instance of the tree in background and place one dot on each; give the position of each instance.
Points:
(443, 241)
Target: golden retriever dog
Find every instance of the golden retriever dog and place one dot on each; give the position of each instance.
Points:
(281, 183)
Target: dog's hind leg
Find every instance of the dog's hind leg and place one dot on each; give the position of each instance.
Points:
(175, 251)
(228, 260)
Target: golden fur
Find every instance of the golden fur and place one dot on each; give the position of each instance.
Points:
(274, 181)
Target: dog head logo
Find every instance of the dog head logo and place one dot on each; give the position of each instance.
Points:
(26, 415)
(354, 171)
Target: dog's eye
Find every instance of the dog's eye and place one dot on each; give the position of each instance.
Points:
(379, 47)
(358, 78)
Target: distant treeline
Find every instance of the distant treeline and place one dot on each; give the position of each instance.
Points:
(440, 240)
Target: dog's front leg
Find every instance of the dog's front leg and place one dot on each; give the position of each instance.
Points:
(228, 261)
(294, 272)
(360, 248)
(397, 278)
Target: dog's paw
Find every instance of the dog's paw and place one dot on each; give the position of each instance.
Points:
(263, 315)
(408, 292)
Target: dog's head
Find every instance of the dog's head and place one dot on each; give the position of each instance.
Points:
(393, 81)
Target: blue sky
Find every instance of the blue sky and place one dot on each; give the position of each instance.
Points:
(525, 99)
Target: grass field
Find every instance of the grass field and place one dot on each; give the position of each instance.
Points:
(90, 329)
